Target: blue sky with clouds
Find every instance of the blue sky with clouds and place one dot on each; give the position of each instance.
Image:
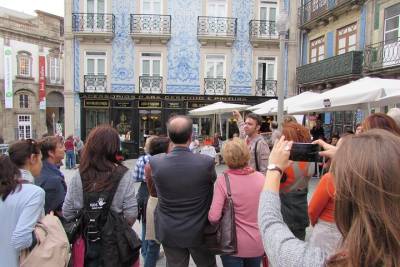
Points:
(55, 7)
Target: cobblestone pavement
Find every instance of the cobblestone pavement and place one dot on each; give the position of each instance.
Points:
(220, 168)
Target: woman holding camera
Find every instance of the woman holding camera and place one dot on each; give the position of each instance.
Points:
(367, 210)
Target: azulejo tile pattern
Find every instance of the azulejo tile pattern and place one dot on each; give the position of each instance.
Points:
(183, 48)
(242, 52)
(122, 70)
(77, 110)
(76, 66)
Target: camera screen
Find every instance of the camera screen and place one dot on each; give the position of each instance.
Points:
(304, 152)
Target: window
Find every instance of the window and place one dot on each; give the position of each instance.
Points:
(268, 10)
(392, 24)
(151, 6)
(95, 63)
(270, 68)
(54, 71)
(346, 39)
(24, 60)
(95, 10)
(24, 101)
(215, 66)
(151, 64)
(95, 6)
(317, 49)
(24, 127)
(217, 8)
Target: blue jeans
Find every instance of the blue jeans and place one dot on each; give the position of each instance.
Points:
(150, 249)
(70, 159)
(232, 261)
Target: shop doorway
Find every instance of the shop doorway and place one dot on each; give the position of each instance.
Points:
(150, 123)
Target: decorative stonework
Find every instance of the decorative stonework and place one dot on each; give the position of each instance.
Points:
(76, 66)
(242, 54)
(183, 48)
(77, 110)
(122, 70)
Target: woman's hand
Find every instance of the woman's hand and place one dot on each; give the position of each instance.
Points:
(280, 153)
(329, 150)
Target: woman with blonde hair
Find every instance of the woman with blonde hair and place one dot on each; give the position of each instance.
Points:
(365, 170)
(245, 185)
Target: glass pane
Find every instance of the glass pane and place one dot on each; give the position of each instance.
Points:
(100, 6)
(220, 70)
(156, 67)
(146, 67)
(210, 70)
(260, 70)
(263, 13)
(272, 14)
(321, 57)
(221, 10)
(101, 66)
(157, 7)
(321, 50)
(90, 66)
(270, 72)
(342, 51)
(342, 43)
(147, 7)
(352, 39)
(90, 6)
(392, 23)
(391, 37)
(351, 48)
(313, 52)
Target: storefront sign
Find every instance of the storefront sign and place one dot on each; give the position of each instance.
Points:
(193, 105)
(122, 104)
(42, 82)
(150, 104)
(327, 103)
(8, 89)
(174, 105)
(96, 103)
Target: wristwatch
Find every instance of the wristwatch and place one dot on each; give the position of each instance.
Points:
(273, 167)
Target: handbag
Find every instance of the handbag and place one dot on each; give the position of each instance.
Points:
(73, 228)
(221, 238)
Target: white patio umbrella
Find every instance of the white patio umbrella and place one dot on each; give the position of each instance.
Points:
(359, 94)
(266, 104)
(294, 100)
(391, 97)
(218, 109)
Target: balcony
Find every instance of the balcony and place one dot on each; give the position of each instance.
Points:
(94, 26)
(150, 27)
(150, 84)
(342, 67)
(263, 32)
(216, 30)
(320, 12)
(95, 83)
(214, 86)
(382, 57)
(267, 89)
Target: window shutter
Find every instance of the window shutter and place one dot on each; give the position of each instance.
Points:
(329, 44)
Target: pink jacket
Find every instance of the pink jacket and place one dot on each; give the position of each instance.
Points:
(246, 186)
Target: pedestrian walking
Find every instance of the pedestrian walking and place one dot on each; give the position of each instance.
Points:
(26, 155)
(21, 205)
(70, 153)
(249, 131)
(184, 183)
(51, 179)
(246, 186)
(78, 144)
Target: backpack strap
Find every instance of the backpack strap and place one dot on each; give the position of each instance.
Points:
(117, 177)
(255, 155)
(228, 185)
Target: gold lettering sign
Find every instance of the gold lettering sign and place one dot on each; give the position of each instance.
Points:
(150, 104)
(193, 105)
(174, 105)
(123, 104)
(96, 103)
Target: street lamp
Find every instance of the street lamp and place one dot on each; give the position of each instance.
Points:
(53, 116)
(282, 26)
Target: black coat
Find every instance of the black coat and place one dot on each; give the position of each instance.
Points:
(184, 182)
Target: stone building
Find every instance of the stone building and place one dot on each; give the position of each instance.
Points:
(134, 63)
(31, 74)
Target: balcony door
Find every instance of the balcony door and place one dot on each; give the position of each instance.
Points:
(95, 10)
(95, 71)
(215, 82)
(270, 74)
(391, 50)
(268, 14)
(347, 39)
(151, 80)
(151, 7)
(217, 8)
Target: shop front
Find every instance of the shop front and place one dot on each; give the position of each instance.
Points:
(136, 116)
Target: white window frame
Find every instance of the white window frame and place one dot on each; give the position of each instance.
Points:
(268, 5)
(267, 60)
(95, 6)
(318, 54)
(24, 121)
(225, 2)
(385, 31)
(23, 99)
(215, 61)
(96, 58)
(152, 7)
(27, 56)
(54, 66)
(152, 59)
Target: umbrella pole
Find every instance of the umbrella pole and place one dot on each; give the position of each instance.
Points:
(220, 124)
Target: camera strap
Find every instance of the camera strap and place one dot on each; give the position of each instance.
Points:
(255, 155)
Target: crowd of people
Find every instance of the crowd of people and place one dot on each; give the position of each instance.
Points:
(354, 210)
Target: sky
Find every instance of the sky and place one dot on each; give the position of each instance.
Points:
(55, 7)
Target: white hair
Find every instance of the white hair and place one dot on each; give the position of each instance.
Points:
(395, 114)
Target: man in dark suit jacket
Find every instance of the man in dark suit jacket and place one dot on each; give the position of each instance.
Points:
(184, 183)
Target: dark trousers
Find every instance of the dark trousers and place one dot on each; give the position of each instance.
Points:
(179, 257)
(232, 261)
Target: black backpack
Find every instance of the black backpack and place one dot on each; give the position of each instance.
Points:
(110, 241)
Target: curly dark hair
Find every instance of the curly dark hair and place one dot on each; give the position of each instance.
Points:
(9, 174)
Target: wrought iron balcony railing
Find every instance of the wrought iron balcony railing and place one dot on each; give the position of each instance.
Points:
(347, 64)
(150, 84)
(263, 29)
(93, 22)
(382, 55)
(216, 26)
(95, 83)
(214, 86)
(315, 9)
(150, 24)
(267, 89)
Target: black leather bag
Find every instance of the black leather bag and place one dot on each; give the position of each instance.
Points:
(221, 238)
(73, 228)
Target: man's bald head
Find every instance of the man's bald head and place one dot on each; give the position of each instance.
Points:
(180, 129)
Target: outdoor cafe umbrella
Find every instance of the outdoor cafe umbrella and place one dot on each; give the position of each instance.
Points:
(359, 94)
(217, 109)
(267, 104)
